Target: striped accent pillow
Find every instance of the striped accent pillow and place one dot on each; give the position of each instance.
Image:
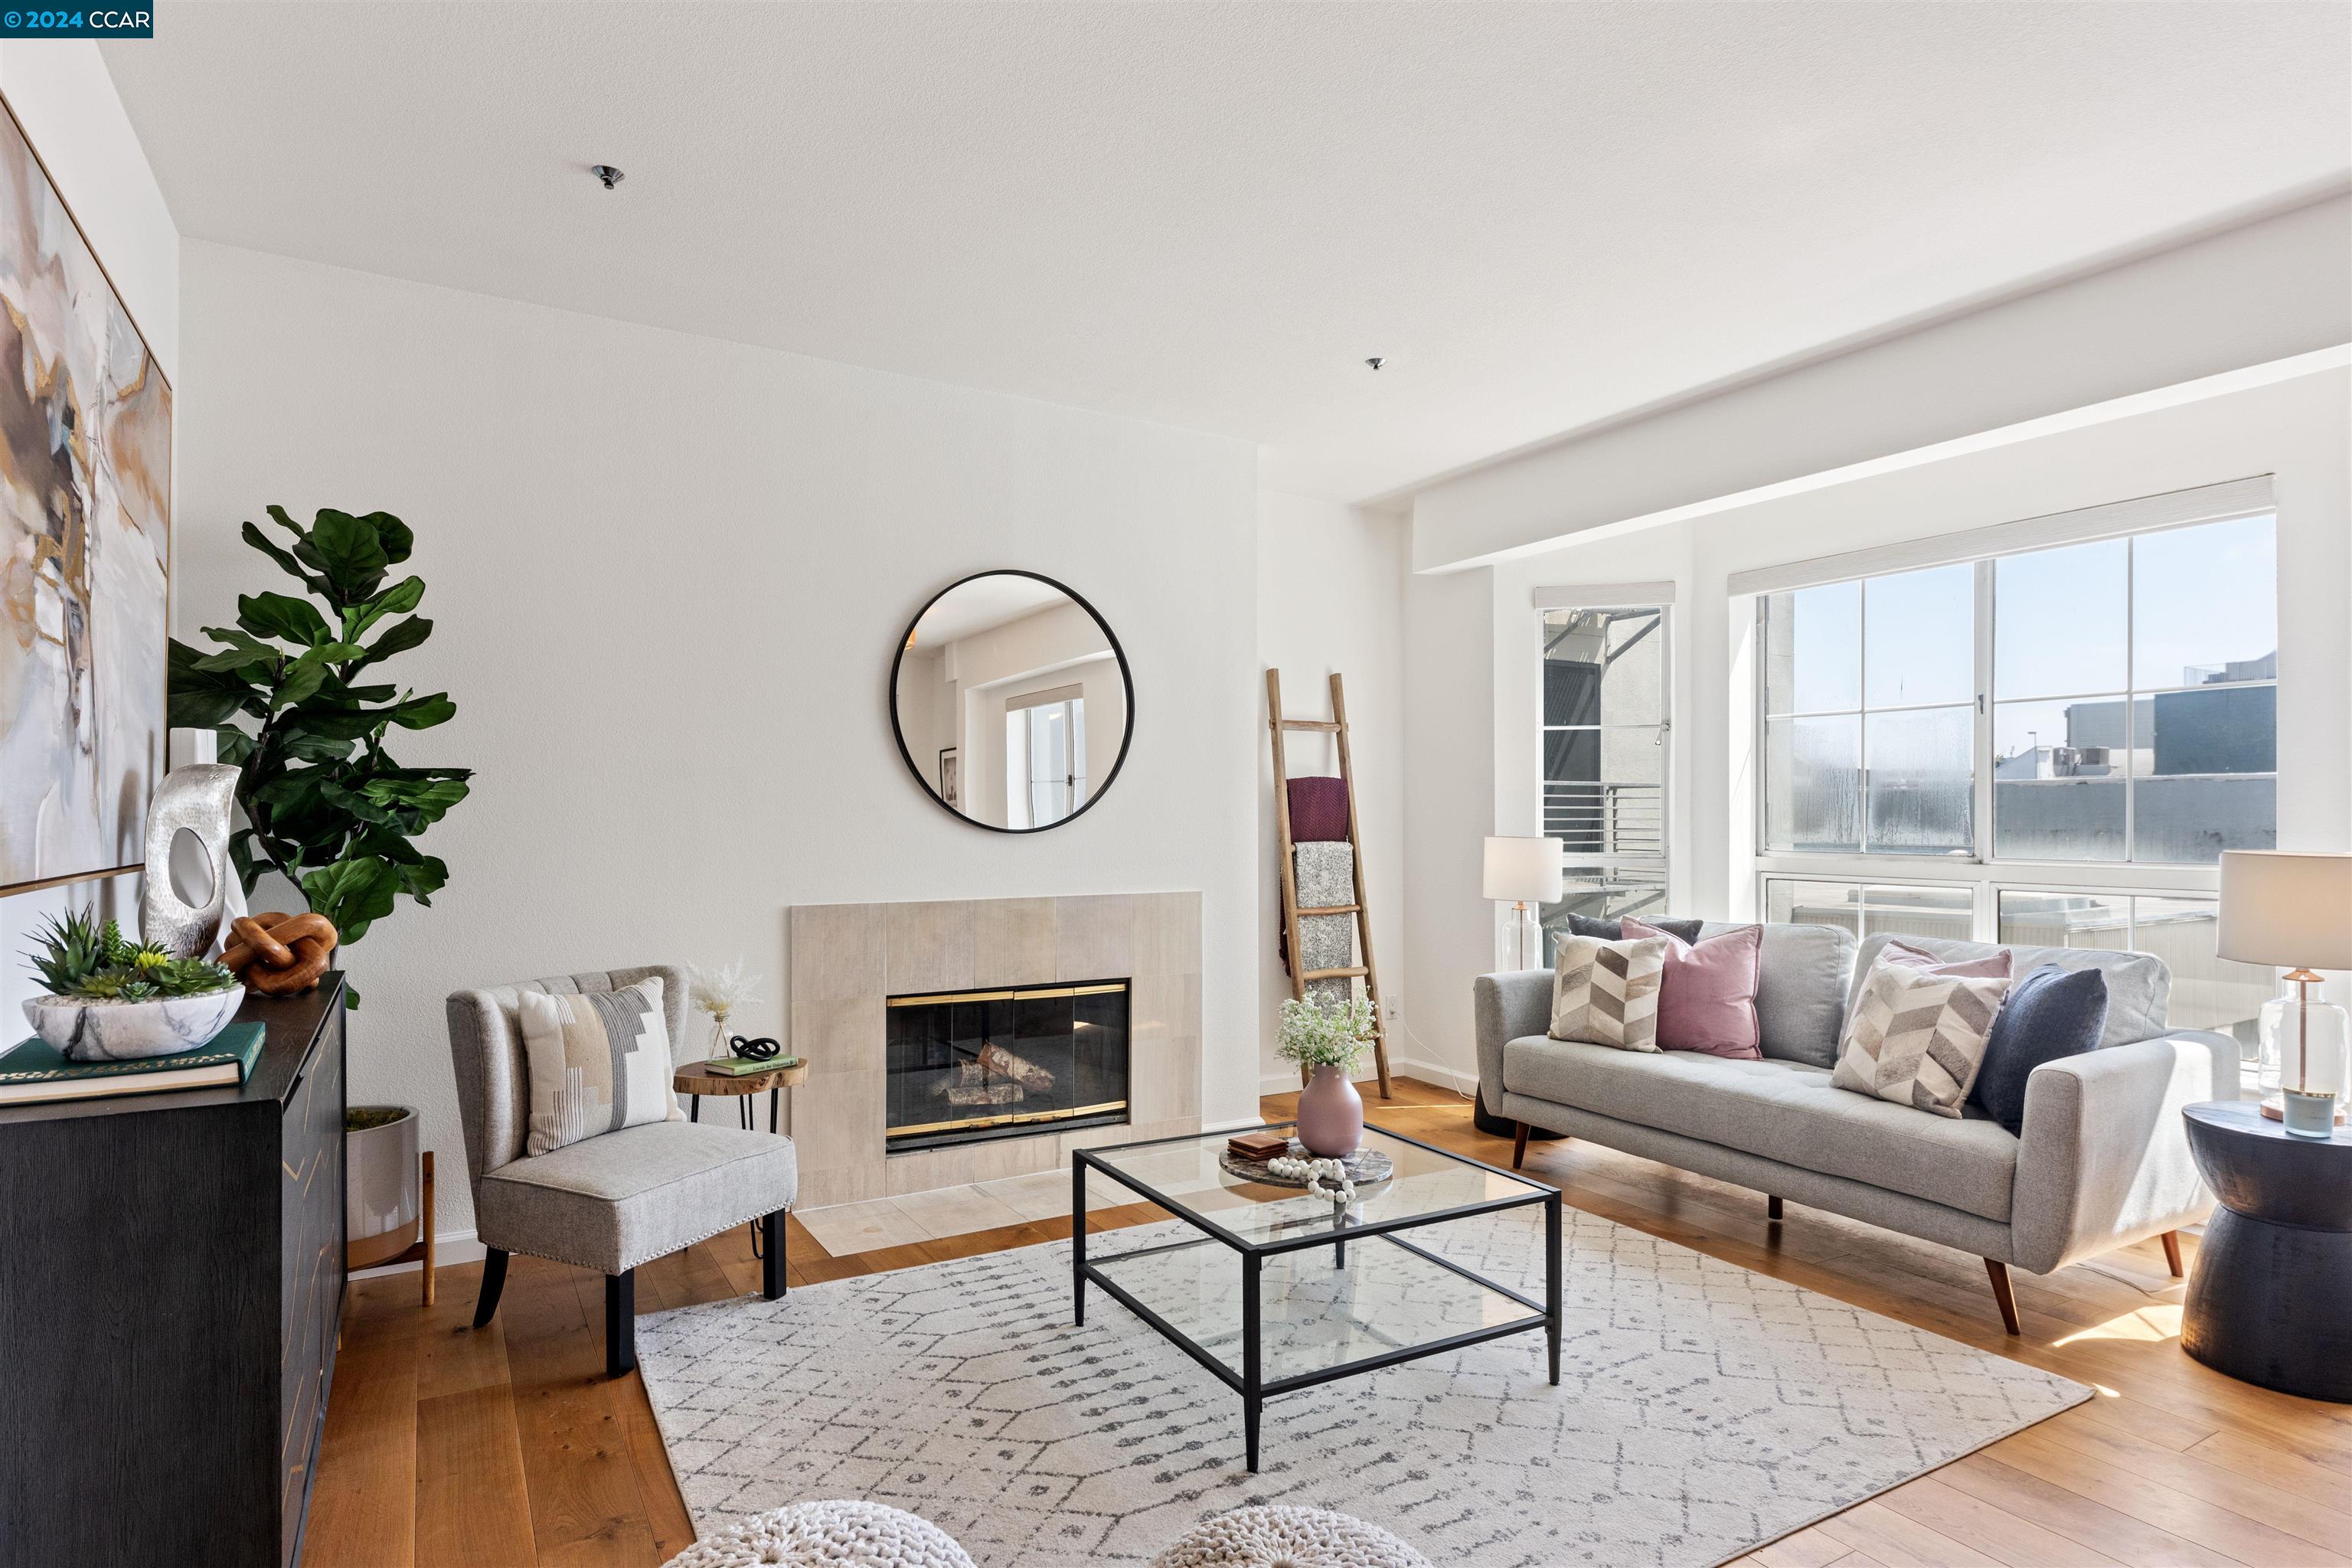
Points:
(1606, 992)
(1916, 1036)
(599, 1061)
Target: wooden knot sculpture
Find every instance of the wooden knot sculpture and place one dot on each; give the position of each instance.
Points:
(280, 954)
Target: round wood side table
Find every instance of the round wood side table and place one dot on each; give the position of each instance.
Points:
(694, 1083)
(2271, 1300)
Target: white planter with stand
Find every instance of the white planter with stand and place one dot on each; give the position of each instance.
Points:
(387, 1190)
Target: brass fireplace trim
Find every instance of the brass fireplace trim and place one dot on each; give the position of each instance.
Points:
(979, 1121)
(1011, 994)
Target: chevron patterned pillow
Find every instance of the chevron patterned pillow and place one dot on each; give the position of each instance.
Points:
(1917, 1037)
(1606, 992)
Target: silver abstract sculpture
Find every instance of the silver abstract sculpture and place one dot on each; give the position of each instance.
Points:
(199, 797)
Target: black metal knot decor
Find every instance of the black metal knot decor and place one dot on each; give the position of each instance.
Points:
(759, 1050)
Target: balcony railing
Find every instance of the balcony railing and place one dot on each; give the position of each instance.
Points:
(1600, 818)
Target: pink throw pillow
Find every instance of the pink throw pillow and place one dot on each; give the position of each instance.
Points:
(1708, 1002)
(1899, 951)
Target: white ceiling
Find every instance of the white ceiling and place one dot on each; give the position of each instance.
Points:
(979, 603)
(1208, 215)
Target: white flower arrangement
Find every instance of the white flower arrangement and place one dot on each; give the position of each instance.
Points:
(1319, 1032)
(719, 992)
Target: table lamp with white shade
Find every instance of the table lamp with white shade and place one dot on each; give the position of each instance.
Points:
(1524, 872)
(2294, 912)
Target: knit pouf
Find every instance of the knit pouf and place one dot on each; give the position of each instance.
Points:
(1288, 1538)
(829, 1535)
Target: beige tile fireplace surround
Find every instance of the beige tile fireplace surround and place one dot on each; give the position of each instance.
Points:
(845, 961)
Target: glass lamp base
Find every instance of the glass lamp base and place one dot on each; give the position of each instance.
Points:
(2303, 1047)
(1519, 939)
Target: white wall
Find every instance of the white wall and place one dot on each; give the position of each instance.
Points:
(66, 104)
(667, 575)
(1453, 646)
(1330, 598)
(1483, 718)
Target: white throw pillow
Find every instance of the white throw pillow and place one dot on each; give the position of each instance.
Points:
(1606, 992)
(599, 1061)
(1916, 1036)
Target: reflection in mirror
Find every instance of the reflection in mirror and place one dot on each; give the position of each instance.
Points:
(1011, 700)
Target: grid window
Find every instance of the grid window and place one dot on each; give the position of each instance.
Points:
(1873, 909)
(2135, 709)
(2208, 992)
(1604, 735)
(1605, 893)
(2129, 709)
(1869, 715)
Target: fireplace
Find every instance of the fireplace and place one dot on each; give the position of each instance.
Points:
(968, 1066)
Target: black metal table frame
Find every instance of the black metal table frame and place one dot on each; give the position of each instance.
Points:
(744, 1115)
(1249, 1382)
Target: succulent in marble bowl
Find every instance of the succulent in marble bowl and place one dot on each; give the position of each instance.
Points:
(114, 1000)
(87, 1029)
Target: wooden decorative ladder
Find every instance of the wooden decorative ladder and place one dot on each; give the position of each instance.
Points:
(1337, 727)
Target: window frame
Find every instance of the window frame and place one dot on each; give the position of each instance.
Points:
(1985, 891)
(1987, 876)
(1554, 602)
(1979, 736)
(1981, 868)
(1021, 712)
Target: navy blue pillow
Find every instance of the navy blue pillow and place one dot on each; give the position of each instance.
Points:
(2051, 1013)
(1615, 930)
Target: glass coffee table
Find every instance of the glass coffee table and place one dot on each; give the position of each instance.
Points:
(1270, 1297)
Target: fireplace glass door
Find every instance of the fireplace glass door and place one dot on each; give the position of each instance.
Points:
(971, 1065)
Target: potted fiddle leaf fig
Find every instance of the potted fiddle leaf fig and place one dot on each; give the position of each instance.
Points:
(296, 695)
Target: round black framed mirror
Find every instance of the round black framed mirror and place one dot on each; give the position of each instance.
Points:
(1011, 701)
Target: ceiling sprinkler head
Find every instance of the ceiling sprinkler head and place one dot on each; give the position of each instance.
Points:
(1376, 362)
(607, 173)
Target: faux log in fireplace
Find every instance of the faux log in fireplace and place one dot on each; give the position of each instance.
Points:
(965, 1066)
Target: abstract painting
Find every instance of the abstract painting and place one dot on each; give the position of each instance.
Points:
(85, 545)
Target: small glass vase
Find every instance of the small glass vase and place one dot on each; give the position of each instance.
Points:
(719, 1049)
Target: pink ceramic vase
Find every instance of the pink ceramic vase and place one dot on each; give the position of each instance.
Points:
(1330, 1114)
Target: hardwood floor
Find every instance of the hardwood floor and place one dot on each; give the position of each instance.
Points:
(506, 1446)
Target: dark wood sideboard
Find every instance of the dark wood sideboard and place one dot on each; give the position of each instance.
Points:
(171, 1285)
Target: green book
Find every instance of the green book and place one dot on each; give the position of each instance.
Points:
(34, 1070)
(744, 1067)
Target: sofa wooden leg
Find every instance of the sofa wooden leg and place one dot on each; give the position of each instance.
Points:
(1519, 1147)
(2002, 1294)
(621, 1323)
(2171, 1239)
(494, 1281)
(1772, 1206)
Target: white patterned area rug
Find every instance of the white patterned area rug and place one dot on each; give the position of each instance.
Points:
(1703, 1410)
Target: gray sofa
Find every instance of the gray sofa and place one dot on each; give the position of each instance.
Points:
(2102, 1161)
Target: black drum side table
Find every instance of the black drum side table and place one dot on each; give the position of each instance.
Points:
(2271, 1300)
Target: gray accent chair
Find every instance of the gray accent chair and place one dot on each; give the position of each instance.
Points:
(616, 1200)
(2102, 1161)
